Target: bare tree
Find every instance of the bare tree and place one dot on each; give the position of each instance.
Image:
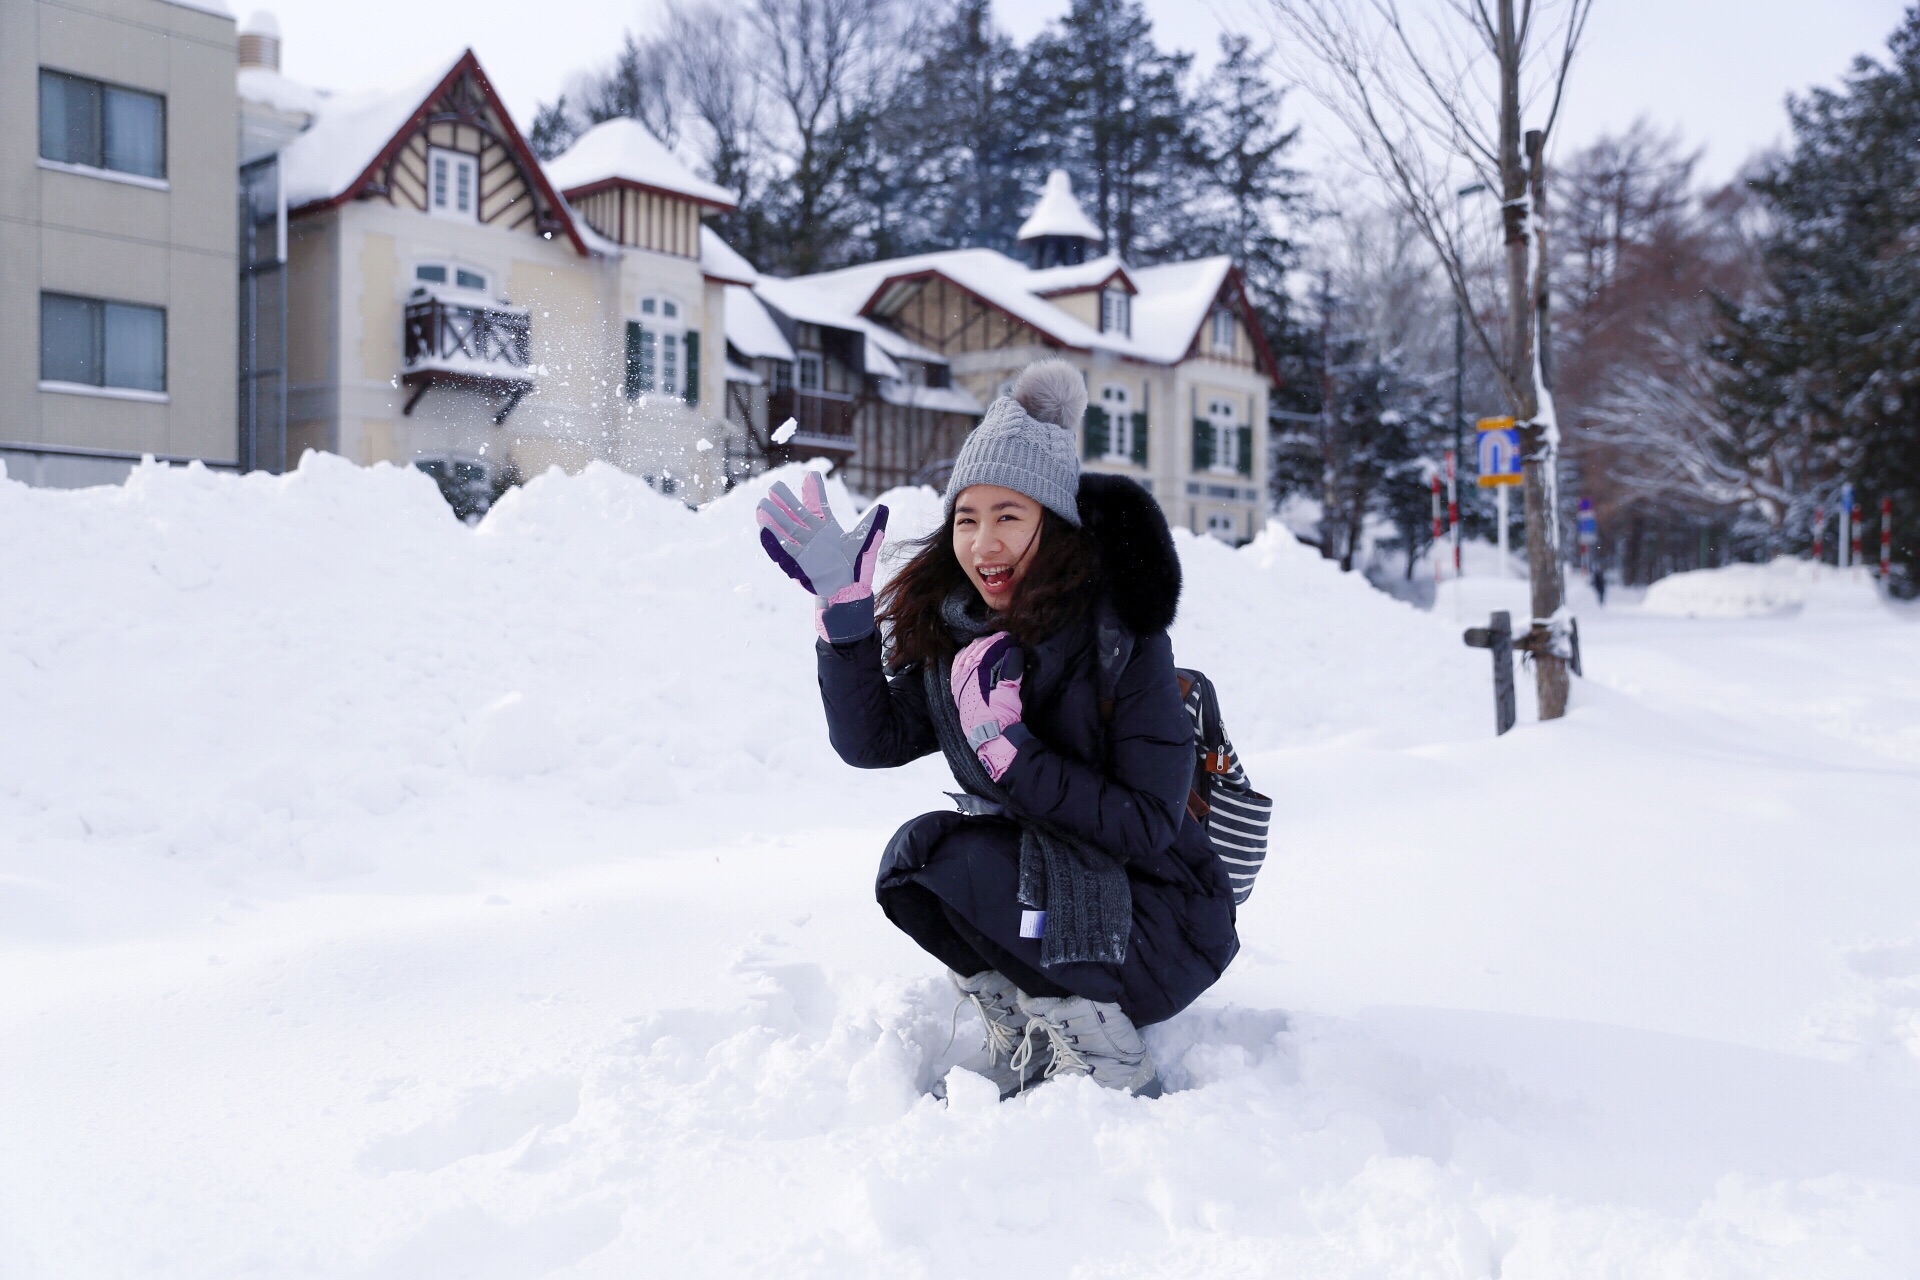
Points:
(713, 83)
(819, 60)
(1430, 103)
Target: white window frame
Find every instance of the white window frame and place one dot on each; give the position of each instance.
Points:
(1223, 331)
(1116, 311)
(1226, 436)
(1117, 400)
(452, 283)
(445, 168)
(1223, 525)
(663, 318)
(809, 360)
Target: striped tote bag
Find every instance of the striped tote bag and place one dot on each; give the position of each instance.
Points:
(1236, 817)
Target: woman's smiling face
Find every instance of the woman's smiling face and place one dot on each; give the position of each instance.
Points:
(995, 532)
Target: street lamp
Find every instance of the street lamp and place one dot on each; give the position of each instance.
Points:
(1460, 354)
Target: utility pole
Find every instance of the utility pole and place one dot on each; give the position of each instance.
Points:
(1460, 362)
(1328, 485)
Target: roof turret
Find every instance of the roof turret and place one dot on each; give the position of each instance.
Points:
(1058, 213)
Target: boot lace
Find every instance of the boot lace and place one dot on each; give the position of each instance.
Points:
(1000, 1036)
(1066, 1057)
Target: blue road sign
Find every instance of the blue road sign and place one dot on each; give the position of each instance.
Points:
(1499, 455)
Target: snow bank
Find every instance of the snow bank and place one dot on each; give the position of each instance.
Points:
(1759, 590)
(385, 897)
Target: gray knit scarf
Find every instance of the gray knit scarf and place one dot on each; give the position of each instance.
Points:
(1084, 892)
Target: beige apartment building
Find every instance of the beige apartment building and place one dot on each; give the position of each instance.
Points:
(117, 237)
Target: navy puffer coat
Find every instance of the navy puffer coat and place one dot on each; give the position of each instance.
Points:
(1120, 784)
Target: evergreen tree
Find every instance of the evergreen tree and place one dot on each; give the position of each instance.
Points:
(1836, 350)
(1102, 101)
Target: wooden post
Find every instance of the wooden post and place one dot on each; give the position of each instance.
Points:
(1497, 636)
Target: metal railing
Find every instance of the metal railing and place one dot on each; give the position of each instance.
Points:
(819, 416)
(438, 331)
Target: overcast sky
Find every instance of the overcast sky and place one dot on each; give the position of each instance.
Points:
(1718, 70)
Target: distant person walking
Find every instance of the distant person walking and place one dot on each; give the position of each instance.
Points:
(1600, 583)
(1072, 896)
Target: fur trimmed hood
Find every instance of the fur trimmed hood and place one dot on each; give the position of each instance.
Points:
(1140, 568)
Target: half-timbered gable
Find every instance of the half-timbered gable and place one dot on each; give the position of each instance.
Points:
(450, 151)
(930, 308)
(634, 191)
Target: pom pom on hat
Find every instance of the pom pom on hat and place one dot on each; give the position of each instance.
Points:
(1053, 391)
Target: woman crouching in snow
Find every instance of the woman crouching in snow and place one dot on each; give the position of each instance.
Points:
(1072, 896)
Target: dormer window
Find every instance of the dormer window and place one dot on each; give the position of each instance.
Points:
(453, 184)
(1223, 331)
(1116, 312)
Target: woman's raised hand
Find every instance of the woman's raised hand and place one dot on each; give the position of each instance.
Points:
(986, 689)
(802, 536)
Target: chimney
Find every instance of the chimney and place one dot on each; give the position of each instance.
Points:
(260, 42)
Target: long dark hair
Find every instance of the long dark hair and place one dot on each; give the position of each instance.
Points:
(1054, 593)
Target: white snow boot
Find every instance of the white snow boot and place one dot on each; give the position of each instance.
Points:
(997, 1001)
(1091, 1039)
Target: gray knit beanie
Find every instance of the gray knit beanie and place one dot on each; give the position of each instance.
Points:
(1029, 441)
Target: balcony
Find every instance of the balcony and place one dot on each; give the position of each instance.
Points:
(824, 421)
(467, 346)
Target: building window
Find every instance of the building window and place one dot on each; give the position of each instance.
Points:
(442, 273)
(1223, 527)
(92, 343)
(102, 126)
(1116, 312)
(810, 371)
(1223, 331)
(782, 375)
(661, 356)
(1118, 405)
(453, 184)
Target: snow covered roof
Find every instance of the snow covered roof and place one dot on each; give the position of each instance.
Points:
(348, 134)
(750, 330)
(1173, 303)
(623, 151)
(954, 399)
(719, 261)
(1085, 275)
(740, 374)
(352, 135)
(806, 300)
(1058, 213)
(269, 88)
(1170, 303)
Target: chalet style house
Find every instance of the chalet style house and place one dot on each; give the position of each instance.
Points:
(453, 303)
(885, 367)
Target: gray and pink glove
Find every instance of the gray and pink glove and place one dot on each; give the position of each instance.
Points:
(803, 538)
(986, 689)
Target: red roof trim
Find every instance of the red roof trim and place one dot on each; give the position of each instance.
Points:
(606, 184)
(1233, 289)
(516, 144)
(718, 279)
(934, 272)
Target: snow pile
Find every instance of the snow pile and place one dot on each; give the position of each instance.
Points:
(1757, 590)
(384, 897)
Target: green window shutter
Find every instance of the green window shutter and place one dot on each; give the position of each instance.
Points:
(1096, 432)
(1140, 438)
(1202, 444)
(630, 385)
(1246, 451)
(693, 368)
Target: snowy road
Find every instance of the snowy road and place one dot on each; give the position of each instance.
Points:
(383, 898)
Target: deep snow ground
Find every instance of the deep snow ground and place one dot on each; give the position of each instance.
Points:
(382, 897)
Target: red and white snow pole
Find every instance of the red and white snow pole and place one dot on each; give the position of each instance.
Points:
(1436, 529)
(1886, 538)
(1453, 512)
(1819, 534)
